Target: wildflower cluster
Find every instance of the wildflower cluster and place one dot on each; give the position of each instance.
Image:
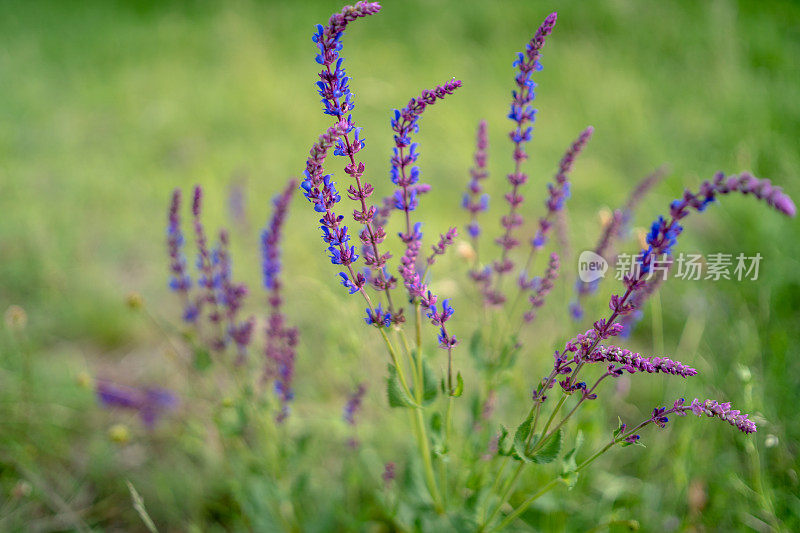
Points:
(402, 301)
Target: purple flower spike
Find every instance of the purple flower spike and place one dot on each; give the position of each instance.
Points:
(633, 362)
(320, 190)
(388, 474)
(150, 403)
(523, 115)
(378, 318)
(353, 405)
(558, 191)
(440, 247)
(543, 288)
(209, 278)
(281, 341)
(723, 411)
(231, 297)
(664, 233)
(710, 408)
(334, 87)
(474, 201)
(405, 174)
(180, 282)
(615, 228)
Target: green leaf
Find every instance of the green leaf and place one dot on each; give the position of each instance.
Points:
(429, 390)
(570, 479)
(501, 442)
(202, 359)
(459, 390)
(620, 427)
(394, 391)
(550, 450)
(569, 464)
(436, 424)
(521, 439)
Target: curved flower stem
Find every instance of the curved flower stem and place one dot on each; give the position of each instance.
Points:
(396, 361)
(544, 439)
(519, 510)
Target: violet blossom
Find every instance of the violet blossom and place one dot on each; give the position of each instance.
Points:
(149, 403)
(475, 202)
(523, 115)
(281, 339)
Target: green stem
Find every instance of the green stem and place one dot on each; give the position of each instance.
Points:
(521, 509)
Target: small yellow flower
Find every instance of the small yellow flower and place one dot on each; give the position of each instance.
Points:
(227, 402)
(605, 215)
(119, 433)
(465, 250)
(84, 380)
(16, 318)
(134, 300)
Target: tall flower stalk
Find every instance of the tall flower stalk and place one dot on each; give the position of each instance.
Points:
(281, 339)
(523, 115)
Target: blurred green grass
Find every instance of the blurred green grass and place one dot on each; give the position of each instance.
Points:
(107, 106)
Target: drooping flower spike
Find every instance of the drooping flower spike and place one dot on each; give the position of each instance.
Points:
(334, 87)
(615, 227)
(663, 234)
(405, 175)
(660, 240)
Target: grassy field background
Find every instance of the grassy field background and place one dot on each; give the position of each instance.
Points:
(105, 107)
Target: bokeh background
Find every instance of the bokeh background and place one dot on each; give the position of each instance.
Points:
(105, 107)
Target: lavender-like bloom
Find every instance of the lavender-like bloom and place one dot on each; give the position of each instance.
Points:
(180, 282)
(334, 88)
(475, 202)
(445, 240)
(353, 405)
(723, 411)
(537, 299)
(710, 408)
(633, 362)
(558, 191)
(281, 340)
(236, 204)
(231, 297)
(663, 234)
(207, 264)
(320, 190)
(388, 474)
(615, 227)
(150, 403)
(523, 114)
(335, 85)
(661, 239)
(405, 175)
